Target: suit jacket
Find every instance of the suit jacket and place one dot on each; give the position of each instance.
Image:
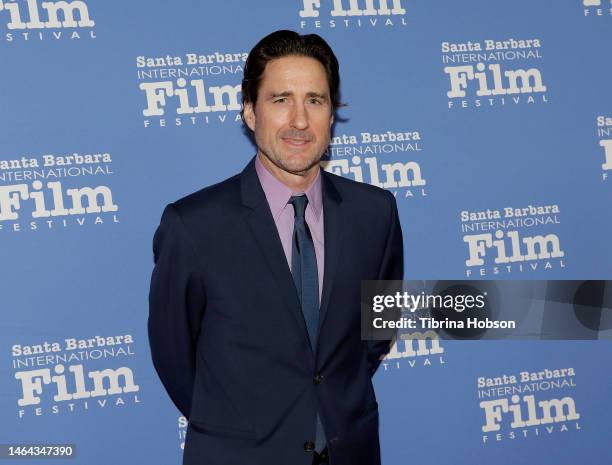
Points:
(228, 338)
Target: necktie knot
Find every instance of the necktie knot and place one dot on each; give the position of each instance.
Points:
(299, 203)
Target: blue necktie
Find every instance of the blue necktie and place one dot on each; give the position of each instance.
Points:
(306, 278)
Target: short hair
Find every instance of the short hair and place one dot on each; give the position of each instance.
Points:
(288, 43)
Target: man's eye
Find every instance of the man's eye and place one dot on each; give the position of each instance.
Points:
(315, 100)
(280, 100)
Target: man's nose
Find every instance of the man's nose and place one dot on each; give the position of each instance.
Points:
(299, 116)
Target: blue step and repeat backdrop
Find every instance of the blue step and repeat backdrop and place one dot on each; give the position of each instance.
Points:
(490, 121)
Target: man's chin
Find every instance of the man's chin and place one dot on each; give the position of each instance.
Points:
(299, 166)
(302, 168)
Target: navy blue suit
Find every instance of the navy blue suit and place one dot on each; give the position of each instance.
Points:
(227, 334)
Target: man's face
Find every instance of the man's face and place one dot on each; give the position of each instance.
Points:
(292, 117)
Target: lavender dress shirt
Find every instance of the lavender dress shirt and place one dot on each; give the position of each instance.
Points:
(277, 195)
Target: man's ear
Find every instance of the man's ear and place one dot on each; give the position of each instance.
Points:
(249, 115)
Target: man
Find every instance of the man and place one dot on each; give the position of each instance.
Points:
(254, 320)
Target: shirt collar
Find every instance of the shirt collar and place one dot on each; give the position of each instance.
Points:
(278, 194)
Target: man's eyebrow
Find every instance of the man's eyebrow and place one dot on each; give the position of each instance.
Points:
(288, 93)
(317, 94)
(281, 94)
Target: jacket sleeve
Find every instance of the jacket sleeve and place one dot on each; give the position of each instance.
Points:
(176, 305)
(391, 268)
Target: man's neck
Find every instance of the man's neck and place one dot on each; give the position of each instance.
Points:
(295, 182)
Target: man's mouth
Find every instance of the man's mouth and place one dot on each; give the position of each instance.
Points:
(296, 142)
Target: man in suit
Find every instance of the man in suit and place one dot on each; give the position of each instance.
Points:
(254, 322)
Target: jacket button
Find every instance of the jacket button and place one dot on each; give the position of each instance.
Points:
(309, 446)
(317, 379)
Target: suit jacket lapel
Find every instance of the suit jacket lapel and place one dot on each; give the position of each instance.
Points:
(261, 224)
(333, 229)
